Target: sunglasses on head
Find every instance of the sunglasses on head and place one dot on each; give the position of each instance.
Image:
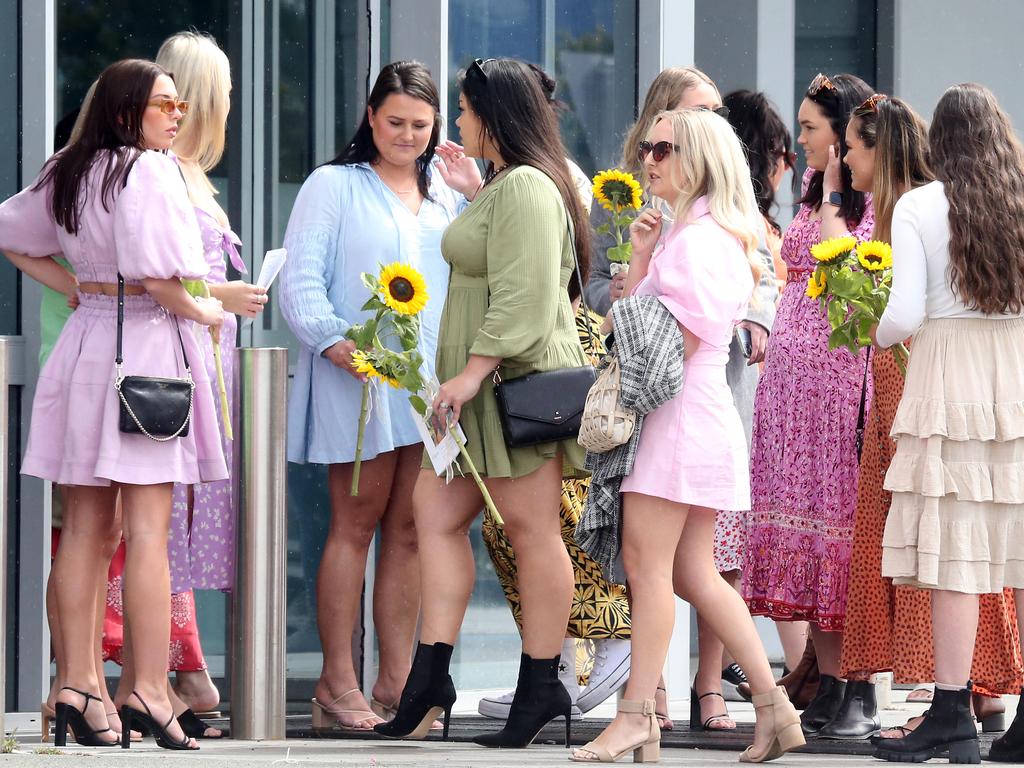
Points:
(168, 106)
(658, 151)
(477, 68)
(820, 83)
(721, 110)
(870, 104)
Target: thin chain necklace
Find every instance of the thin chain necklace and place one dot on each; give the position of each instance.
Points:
(388, 185)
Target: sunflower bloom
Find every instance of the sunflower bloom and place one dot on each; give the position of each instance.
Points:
(833, 249)
(616, 190)
(363, 364)
(874, 255)
(815, 288)
(403, 288)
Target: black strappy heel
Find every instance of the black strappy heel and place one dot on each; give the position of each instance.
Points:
(163, 738)
(695, 722)
(68, 714)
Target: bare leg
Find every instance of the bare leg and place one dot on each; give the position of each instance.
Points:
(147, 596)
(196, 690)
(651, 530)
(793, 636)
(529, 506)
(828, 647)
(396, 588)
(109, 548)
(954, 630)
(56, 642)
(340, 579)
(711, 661)
(88, 518)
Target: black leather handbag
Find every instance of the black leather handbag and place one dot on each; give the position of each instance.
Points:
(159, 408)
(547, 406)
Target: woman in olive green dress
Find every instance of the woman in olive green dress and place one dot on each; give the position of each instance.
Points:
(508, 308)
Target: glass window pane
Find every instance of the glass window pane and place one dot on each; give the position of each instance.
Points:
(10, 162)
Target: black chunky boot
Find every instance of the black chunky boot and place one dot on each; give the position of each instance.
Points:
(947, 728)
(1009, 748)
(823, 706)
(429, 692)
(540, 697)
(857, 717)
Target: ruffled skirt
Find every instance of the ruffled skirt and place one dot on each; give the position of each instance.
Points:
(957, 479)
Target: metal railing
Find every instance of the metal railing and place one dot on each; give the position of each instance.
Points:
(257, 670)
(4, 448)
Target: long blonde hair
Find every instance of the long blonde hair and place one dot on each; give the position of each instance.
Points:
(710, 162)
(665, 93)
(202, 76)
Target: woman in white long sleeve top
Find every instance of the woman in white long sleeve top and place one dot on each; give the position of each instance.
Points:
(956, 525)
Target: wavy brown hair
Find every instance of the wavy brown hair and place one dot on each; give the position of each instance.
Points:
(900, 139)
(977, 156)
(514, 110)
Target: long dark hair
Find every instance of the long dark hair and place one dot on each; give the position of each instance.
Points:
(837, 100)
(900, 139)
(513, 108)
(977, 156)
(112, 122)
(412, 79)
(765, 138)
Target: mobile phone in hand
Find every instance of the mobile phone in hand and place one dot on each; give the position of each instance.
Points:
(746, 345)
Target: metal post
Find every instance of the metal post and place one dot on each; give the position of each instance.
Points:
(4, 427)
(258, 602)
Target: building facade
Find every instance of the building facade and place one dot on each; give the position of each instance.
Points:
(301, 70)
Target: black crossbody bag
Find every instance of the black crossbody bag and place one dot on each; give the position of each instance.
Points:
(547, 406)
(159, 408)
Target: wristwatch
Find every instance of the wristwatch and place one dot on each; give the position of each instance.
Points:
(835, 198)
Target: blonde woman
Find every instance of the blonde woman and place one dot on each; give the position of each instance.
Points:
(692, 454)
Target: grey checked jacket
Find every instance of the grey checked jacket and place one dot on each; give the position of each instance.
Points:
(649, 347)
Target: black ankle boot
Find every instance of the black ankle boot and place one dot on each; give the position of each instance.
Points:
(823, 706)
(1009, 748)
(429, 692)
(540, 697)
(947, 727)
(857, 717)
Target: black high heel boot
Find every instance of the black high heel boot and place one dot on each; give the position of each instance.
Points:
(947, 728)
(1009, 748)
(540, 697)
(857, 717)
(823, 706)
(68, 714)
(429, 692)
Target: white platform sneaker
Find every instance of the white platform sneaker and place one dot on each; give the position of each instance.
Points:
(610, 672)
(498, 706)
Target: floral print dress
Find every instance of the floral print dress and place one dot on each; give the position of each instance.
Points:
(804, 461)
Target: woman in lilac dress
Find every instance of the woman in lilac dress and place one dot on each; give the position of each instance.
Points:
(803, 452)
(113, 206)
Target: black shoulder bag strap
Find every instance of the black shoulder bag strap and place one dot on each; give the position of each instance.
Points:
(862, 412)
(120, 328)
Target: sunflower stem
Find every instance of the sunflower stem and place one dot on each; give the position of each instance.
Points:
(902, 355)
(476, 476)
(359, 439)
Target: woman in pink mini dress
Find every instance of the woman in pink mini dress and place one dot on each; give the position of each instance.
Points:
(692, 455)
(112, 206)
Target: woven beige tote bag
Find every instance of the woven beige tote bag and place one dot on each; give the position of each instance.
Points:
(606, 424)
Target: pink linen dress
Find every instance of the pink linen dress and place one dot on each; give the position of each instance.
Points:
(804, 464)
(201, 546)
(692, 449)
(150, 231)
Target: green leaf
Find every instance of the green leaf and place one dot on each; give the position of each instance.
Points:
(604, 229)
(620, 253)
(197, 288)
(370, 281)
(837, 309)
(417, 402)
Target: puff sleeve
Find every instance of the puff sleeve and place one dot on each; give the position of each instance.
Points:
(312, 240)
(26, 223)
(703, 281)
(524, 259)
(156, 233)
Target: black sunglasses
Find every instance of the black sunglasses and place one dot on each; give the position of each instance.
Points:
(477, 68)
(659, 151)
(722, 111)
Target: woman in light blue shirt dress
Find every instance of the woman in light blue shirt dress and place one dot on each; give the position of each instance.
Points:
(381, 201)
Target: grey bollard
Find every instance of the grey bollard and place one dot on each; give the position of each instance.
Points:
(4, 447)
(258, 603)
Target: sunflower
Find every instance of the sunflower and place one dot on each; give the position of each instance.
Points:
(833, 249)
(815, 288)
(362, 362)
(874, 255)
(403, 288)
(615, 190)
